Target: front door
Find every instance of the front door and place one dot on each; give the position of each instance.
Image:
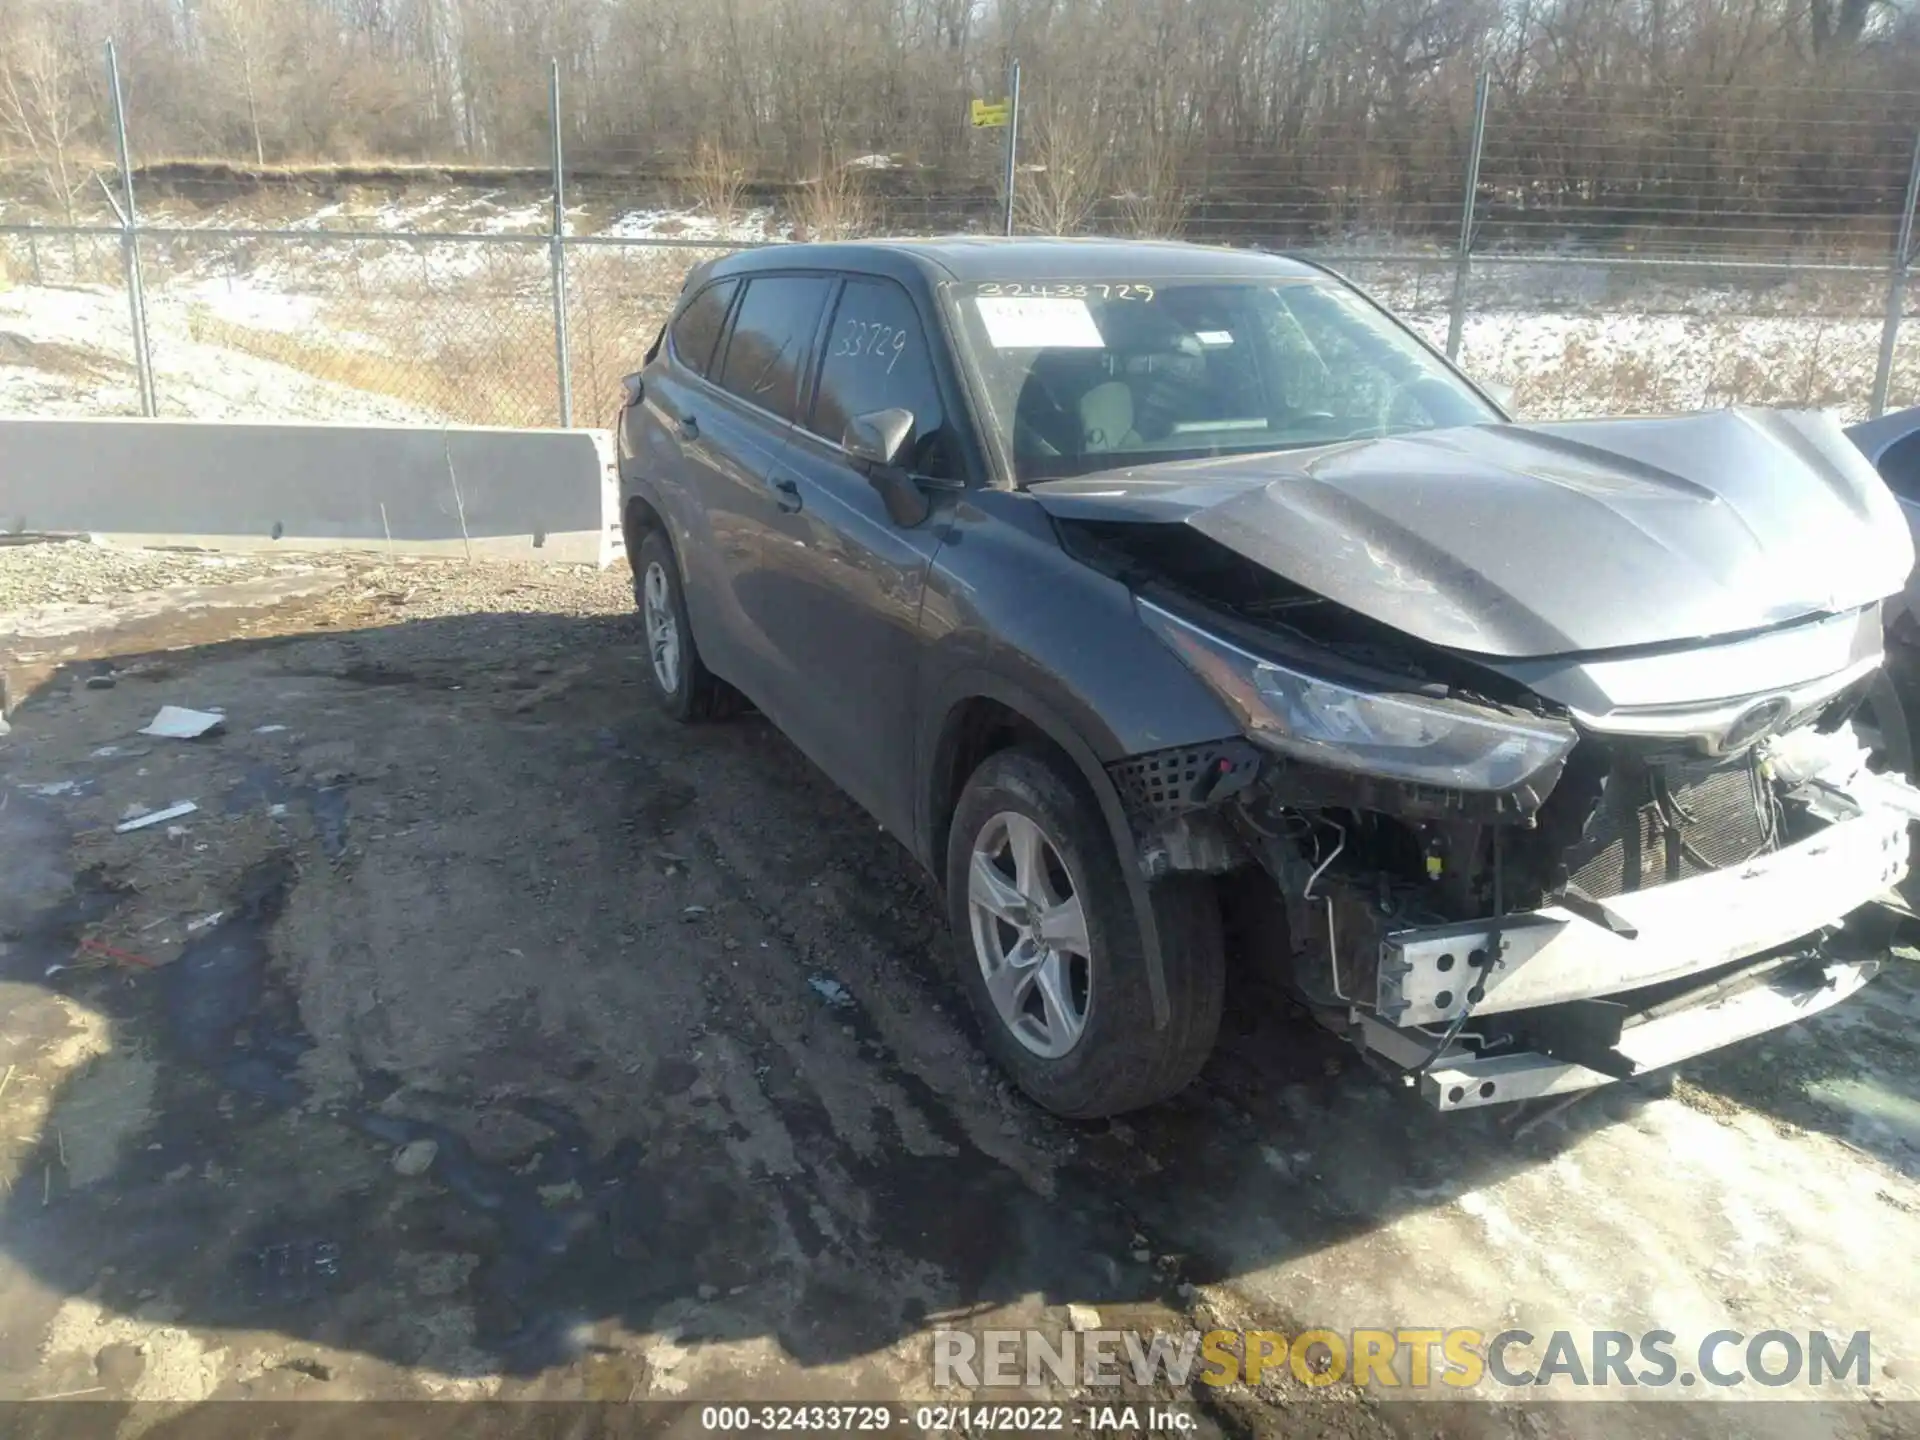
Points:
(851, 588)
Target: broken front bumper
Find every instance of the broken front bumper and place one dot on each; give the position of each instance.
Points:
(1649, 938)
(1459, 1079)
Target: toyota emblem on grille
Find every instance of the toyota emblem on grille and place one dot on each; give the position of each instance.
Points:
(1755, 721)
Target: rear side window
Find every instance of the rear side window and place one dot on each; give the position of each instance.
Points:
(877, 359)
(771, 334)
(697, 330)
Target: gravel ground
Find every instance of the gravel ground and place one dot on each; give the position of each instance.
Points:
(36, 574)
(485, 1034)
(70, 571)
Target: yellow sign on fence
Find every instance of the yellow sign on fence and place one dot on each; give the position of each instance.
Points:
(989, 114)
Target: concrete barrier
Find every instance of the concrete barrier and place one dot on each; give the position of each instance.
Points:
(549, 495)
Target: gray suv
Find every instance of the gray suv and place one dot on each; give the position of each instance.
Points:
(1147, 592)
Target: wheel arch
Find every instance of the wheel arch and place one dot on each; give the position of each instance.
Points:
(978, 713)
(639, 517)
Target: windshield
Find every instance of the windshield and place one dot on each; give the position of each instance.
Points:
(1079, 377)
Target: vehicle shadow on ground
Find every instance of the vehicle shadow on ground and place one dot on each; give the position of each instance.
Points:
(532, 1021)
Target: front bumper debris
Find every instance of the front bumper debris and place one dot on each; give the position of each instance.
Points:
(1641, 980)
(1459, 1079)
(1551, 955)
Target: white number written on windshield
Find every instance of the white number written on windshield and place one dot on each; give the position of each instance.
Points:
(1061, 290)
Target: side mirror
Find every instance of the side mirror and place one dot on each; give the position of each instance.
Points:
(1500, 393)
(878, 441)
(879, 437)
(634, 388)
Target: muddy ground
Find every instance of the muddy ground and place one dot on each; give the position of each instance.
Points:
(484, 1034)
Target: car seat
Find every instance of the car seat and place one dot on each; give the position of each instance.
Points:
(1106, 419)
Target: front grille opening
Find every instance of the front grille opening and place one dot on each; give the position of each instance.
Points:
(1655, 823)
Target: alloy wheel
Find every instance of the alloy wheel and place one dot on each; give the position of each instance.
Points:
(663, 627)
(1030, 934)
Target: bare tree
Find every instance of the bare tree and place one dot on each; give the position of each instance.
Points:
(834, 205)
(1842, 27)
(40, 110)
(1155, 193)
(1064, 177)
(1293, 119)
(245, 36)
(717, 182)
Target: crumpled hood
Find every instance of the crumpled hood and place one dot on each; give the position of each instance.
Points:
(1534, 540)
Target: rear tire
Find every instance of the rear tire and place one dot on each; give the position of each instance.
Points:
(682, 685)
(1051, 955)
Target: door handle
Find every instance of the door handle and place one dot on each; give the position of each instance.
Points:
(786, 494)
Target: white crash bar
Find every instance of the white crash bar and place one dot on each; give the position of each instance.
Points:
(1460, 1080)
(1682, 928)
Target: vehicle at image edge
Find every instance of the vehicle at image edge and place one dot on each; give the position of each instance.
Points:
(1150, 593)
(1892, 443)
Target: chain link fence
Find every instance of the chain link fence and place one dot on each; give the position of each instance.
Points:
(409, 328)
(1646, 265)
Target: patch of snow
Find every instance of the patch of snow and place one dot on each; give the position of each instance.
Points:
(255, 306)
(86, 334)
(760, 223)
(520, 220)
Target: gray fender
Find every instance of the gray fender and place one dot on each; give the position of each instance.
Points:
(964, 685)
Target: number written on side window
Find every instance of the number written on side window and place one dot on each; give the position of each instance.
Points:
(871, 338)
(877, 359)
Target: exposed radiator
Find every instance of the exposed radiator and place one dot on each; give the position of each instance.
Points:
(1721, 815)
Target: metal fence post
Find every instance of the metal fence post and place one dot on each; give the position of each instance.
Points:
(1896, 289)
(1463, 261)
(130, 244)
(1013, 133)
(562, 356)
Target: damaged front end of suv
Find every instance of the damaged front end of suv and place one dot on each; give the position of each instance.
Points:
(1556, 747)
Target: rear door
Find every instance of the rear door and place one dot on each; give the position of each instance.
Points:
(850, 584)
(699, 445)
(758, 375)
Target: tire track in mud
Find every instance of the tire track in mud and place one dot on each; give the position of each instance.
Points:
(908, 1021)
(1025, 1209)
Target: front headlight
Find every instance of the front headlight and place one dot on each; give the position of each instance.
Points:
(1429, 741)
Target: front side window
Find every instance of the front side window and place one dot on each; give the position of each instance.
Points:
(767, 351)
(697, 330)
(877, 359)
(1079, 377)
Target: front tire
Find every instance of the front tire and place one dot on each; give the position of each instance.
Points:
(1051, 954)
(682, 684)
